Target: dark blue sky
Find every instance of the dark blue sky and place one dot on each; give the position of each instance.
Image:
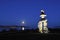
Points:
(12, 12)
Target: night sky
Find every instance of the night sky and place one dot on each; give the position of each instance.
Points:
(13, 12)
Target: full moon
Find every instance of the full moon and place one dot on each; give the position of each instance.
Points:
(23, 22)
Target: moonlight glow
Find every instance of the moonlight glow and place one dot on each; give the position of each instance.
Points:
(23, 22)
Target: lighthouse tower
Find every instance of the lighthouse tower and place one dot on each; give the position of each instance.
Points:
(42, 24)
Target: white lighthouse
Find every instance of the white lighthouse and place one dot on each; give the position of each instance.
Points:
(42, 25)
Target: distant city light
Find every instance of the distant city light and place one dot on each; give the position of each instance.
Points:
(22, 28)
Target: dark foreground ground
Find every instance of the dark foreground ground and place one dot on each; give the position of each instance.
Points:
(28, 36)
(13, 34)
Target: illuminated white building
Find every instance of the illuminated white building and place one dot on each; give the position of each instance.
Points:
(42, 25)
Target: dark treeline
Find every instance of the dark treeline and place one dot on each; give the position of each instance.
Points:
(21, 31)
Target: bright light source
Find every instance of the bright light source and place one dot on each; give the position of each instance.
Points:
(42, 11)
(23, 22)
(22, 28)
